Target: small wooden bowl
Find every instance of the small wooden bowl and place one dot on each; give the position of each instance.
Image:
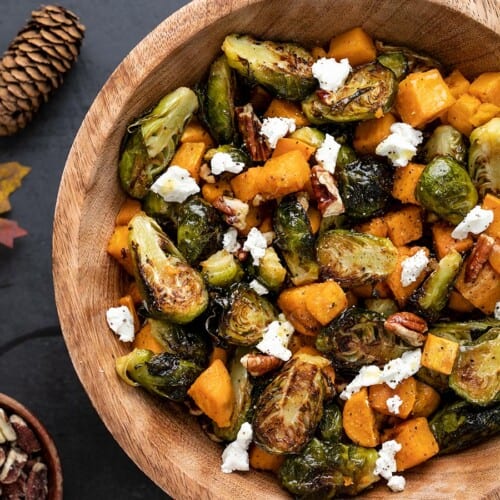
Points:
(164, 441)
(48, 452)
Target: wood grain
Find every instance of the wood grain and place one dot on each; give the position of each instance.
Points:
(168, 446)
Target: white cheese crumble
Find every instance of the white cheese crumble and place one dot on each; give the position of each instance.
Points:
(393, 404)
(401, 145)
(230, 240)
(330, 73)
(476, 221)
(274, 128)
(326, 154)
(235, 455)
(176, 184)
(497, 310)
(411, 267)
(256, 244)
(223, 162)
(397, 483)
(121, 321)
(258, 287)
(275, 339)
(391, 374)
(385, 464)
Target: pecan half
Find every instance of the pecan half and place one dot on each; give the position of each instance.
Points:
(235, 211)
(13, 466)
(407, 326)
(26, 439)
(326, 192)
(478, 257)
(259, 364)
(37, 483)
(249, 126)
(7, 432)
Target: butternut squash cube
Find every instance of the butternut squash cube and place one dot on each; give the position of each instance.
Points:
(422, 97)
(406, 390)
(286, 144)
(281, 108)
(445, 243)
(460, 113)
(144, 340)
(492, 202)
(196, 132)
(405, 182)
(457, 83)
(404, 225)
(494, 258)
(189, 156)
(355, 44)
(359, 420)
(262, 460)
(484, 113)
(292, 302)
(218, 353)
(457, 302)
(439, 354)
(487, 87)
(129, 208)
(314, 219)
(426, 401)
(212, 192)
(376, 226)
(118, 248)
(325, 301)
(370, 133)
(318, 52)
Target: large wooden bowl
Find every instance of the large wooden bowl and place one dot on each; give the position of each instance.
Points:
(164, 442)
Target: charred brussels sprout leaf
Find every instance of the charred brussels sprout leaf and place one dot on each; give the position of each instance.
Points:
(222, 269)
(396, 62)
(166, 375)
(295, 240)
(282, 68)
(330, 426)
(236, 154)
(368, 89)
(327, 470)
(365, 187)
(484, 157)
(446, 140)
(153, 141)
(476, 373)
(291, 406)
(270, 271)
(355, 258)
(165, 212)
(461, 425)
(464, 331)
(246, 316)
(219, 105)
(172, 289)
(357, 338)
(446, 189)
(199, 229)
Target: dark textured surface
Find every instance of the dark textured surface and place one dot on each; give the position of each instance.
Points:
(34, 364)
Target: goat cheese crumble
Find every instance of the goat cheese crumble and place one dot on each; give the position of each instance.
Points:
(412, 266)
(258, 287)
(330, 73)
(326, 154)
(393, 404)
(476, 221)
(275, 127)
(230, 240)
(121, 321)
(275, 339)
(497, 310)
(176, 184)
(385, 465)
(401, 145)
(223, 162)
(391, 374)
(256, 244)
(235, 455)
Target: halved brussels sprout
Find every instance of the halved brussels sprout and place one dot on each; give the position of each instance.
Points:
(396, 62)
(222, 269)
(385, 307)
(165, 374)
(245, 317)
(484, 157)
(330, 426)
(357, 338)
(310, 135)
(152, 144)
(295, 240)
(236, 154)
(365, 186)
(446, 141)
(464, 331)
(164, 212)
(368, 90)
(355, 258)
(476, 373)
(171, 289)
(270, 271)
(291, 406)
(461, 425)
(283, 68)
(446, 189)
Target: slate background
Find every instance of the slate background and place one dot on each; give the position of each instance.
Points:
(35, 367)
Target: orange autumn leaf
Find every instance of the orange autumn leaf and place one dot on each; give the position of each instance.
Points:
(9, 230)
(11, 174)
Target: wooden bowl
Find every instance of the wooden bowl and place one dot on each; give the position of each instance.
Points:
(48, 452)
(164, 442)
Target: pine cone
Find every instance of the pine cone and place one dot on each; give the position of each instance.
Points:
(34, 64)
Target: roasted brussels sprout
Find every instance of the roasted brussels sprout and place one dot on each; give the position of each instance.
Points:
(345, 156)
(367, 90)
(461, 425)
(295, 240)
(365, 186)
(446, 141)
(222, 269)
(187, 343)
(283, 68)
(270, 271)
(219, 102)
(236, 154)
(328, 470)
(446, 189)
(164, 212)
(199, 229)
(310, 135)
(165, 374)
(357, 338)
(431, 297)
(330, 425)
(484, 157)
(355, 258)
(464, 331)
(396, 62)
(476, 373)
(153, 141)
(171, 289)
(246, 316)
(291, 406)
(438, 381)
(385, 307)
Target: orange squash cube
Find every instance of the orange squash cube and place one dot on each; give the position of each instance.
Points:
(427, 400)
(457, 83)
(281, 108)
(492, 202)
(404, 225)
(370, 133)
(406, 390)
(445, 243)
(439, 354)
(487, 87)
(355, 45)
(359, 420)
(460, 113)
(405, 182)
(189, 156)
(144, 340)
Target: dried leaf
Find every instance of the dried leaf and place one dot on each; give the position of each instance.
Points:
(9, 230)
(11, 174)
